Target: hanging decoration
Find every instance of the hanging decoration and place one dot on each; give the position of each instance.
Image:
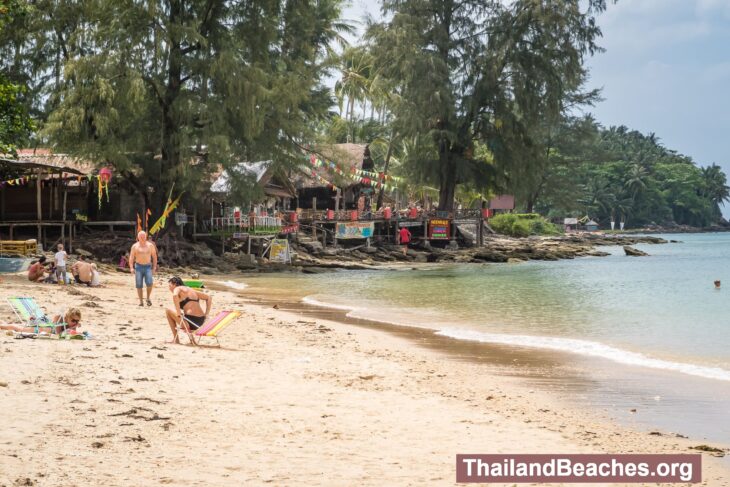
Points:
(147, 219)
(15, 182)
(139, 223)
(368, 178)
(100, 190)
(169, 207)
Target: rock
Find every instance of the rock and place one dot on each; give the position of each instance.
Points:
(453, 245)
(314, 246)
(369, 250)
(421, 258)
(513, 260)
(632, 252)
(83, 252)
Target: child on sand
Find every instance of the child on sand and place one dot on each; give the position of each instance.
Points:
(37, 270)
(60, 259)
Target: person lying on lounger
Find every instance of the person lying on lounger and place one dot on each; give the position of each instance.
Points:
(186, 301)
(68, 321)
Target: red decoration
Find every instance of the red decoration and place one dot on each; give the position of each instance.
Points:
(105, 174)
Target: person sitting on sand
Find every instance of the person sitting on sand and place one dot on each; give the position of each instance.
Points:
(186, 301)
(37, 270)
(69, 321)
(83, 271)
(717, 284)
(124, 263)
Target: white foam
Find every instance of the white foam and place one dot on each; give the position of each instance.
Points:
(569, 345)
(321, 304)
(589, 348)
(233, 284)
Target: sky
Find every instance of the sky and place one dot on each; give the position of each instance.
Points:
(666, 69)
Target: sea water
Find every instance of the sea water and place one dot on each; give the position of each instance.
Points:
(660, 311)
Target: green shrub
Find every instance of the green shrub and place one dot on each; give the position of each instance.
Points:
(522, 225)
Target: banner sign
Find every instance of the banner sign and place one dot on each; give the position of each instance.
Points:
(279, 251)
(409, 224)
(355, 230)
(439, 229)
(80, 217)
(239, 235)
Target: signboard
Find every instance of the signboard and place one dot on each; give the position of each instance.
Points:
(81, 217)
(439, 229)
(279, 251)
(355, 230)
(239, 235)
(442, 214)
(409, 224)
(180, 218)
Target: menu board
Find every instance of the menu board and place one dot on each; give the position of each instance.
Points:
(439, 229)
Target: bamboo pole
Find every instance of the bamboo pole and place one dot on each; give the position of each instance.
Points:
(39, 212)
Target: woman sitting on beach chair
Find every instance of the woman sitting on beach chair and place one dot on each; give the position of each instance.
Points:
(186, 302)
(64, 322)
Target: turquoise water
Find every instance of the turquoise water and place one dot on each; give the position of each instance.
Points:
(659, 312)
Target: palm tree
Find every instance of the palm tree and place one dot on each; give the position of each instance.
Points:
(636, 180)
(356, 67)
(715, 181)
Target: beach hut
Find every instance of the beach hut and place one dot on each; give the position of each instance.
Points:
(278, 191)
(591, 226)
(570, 224)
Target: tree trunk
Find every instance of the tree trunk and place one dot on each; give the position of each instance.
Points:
(447, 186)
(171, 156)
(385, 171)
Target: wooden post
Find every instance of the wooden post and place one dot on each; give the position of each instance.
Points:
(70, 237)
(11, 231)
(314, 203)
(249, 244)
(2, 203)
(195, 224)
(337, 200)
(39, 212)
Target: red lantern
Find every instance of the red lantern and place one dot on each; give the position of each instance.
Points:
(105, 174)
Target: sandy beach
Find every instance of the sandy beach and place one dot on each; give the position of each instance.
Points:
(288, 400)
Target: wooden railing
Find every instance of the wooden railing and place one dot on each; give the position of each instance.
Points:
(18, 247)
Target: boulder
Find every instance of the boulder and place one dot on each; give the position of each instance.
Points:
(632, 252)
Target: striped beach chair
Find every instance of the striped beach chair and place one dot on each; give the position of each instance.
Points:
(31, 315)
(212, 327)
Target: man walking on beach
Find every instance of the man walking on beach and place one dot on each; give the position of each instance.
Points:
(143, 264)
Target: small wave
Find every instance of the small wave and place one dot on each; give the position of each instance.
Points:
(233, 284)
(314, 302)
(589, 348)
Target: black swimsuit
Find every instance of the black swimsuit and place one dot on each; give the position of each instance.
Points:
(195, 322)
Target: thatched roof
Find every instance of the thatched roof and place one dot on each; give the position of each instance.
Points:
(346, 156)
(47, 160)
(269, 178)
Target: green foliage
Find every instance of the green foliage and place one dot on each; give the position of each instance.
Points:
(165, 91)
(522, 224)
(623, 175)
(15, 122)
(469, 71)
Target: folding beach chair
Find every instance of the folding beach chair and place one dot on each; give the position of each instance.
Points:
(210, 328)
(31, 315)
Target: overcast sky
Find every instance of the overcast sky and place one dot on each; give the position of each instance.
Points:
(666, 70)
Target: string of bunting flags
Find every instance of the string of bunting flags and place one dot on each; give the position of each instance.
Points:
(374, 179)
(14, 182)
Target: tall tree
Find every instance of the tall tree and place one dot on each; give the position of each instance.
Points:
(15, 122)
(159, 88)
(476, 70)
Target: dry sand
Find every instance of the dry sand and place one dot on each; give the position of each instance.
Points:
(287, 400)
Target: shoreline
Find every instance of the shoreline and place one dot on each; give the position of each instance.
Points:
(284, 399)
(533, 365)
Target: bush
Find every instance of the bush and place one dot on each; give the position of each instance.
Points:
(522, 225)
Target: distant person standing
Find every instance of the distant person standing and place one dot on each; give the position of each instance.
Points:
(405, 238)
(143, 264)
(60, 260)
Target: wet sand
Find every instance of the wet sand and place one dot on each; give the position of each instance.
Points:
(290, 398)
